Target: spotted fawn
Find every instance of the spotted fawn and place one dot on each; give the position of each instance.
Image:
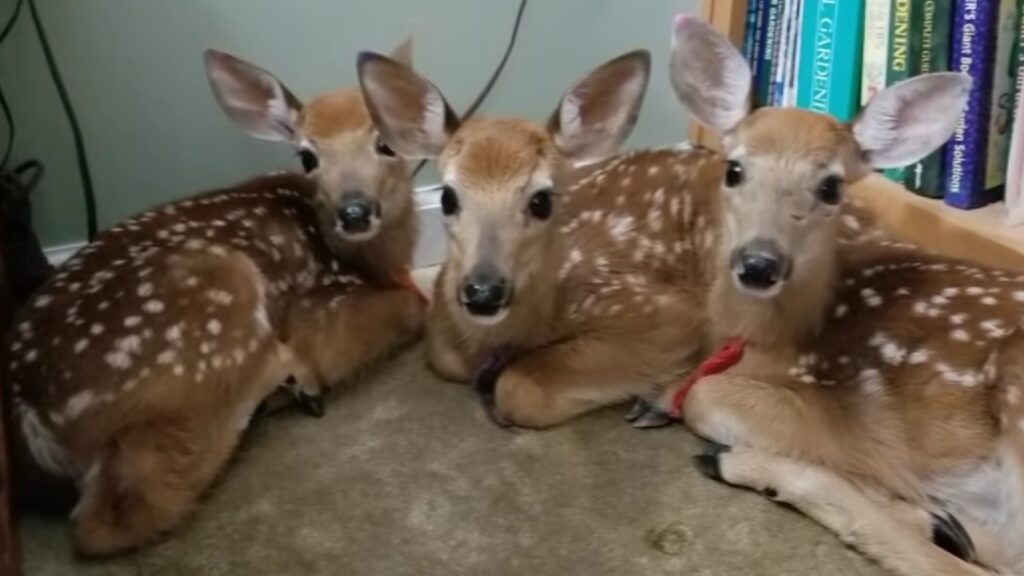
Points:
(880, 389)
(137, 366)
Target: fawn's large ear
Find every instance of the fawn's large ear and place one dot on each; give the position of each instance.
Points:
(411, 113)
(710, 77)
(252, 97)
(403, 52)
(909, 120)
(597, 114)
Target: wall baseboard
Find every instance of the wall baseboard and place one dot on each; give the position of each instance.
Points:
(430, 250)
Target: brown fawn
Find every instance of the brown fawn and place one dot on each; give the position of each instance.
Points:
(880, 392)
(137, 367)
(568, 292)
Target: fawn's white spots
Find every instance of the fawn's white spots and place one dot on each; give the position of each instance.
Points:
(653, 170)
(960, 335)
(950, 292)
(213, 327)
(919, 356)
(78, 403)
(994, 329)
(118, 359)
(902, 291)
(974, 291)
(192, 282)
(1019, 295)
(153, 306)
(958, 318)
(1012, 395)
(96, 329)
(167, 356)
(871, 381)
(844, 360)
(967, 378)
(31, 356)
(890, 351)
(940, 300)
(145, 290)
(205, 347)
(989, 301)
(178, 370)
(81, 345)
(132, 321)
(173, 333)
(841, 310)
(43, 301)
(871, 297)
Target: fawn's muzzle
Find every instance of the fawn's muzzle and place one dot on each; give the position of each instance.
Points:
(759, 266)
(485, 292)
(357, 212)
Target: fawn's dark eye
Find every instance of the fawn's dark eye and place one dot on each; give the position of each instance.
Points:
(829, 191)
(309, 159)
(449, 201)
(540, 204)
(733, 174)
(383, 149)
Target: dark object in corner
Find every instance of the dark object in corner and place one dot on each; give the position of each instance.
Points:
(26, 265)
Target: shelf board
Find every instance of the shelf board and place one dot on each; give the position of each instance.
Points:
(980, 235)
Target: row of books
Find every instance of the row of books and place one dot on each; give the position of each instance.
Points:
(832, 56)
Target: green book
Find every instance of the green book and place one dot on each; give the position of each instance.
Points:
(930, 23)
(902, 61)
(1001, 116)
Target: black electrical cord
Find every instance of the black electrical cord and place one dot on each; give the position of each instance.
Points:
(10, 22)
(494, 76)
(76, 132)
(8, 117)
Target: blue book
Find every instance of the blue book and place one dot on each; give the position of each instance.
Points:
(830, 57)
(972, 50)
(748, 33)
(757, 41)
(766, 65)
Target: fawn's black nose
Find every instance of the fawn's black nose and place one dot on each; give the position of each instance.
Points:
(485, 292)
(760, 265)
(356, 212)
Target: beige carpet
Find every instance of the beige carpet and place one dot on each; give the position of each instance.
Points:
(405, 476)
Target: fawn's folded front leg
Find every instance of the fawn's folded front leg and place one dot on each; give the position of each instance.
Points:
(550, 385)
(775, 417)
(907, 539)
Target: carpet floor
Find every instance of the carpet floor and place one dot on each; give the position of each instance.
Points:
(406, 476)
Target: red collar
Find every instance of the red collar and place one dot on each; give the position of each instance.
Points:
(724, 358)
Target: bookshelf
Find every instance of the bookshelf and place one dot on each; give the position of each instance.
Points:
(979, 235)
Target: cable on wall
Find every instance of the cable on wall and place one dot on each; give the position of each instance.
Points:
(494, 76)
(76, 131)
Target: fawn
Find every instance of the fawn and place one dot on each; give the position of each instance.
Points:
(880, 391)
(135, 369)
(575, 287)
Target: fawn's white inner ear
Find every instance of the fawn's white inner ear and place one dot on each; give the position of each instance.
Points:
(278, 108)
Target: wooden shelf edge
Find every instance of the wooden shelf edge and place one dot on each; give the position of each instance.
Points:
(980, 235)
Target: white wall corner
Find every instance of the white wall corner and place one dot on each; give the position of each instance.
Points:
(430, 249)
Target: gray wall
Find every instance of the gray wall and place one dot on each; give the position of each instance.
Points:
(153, 132)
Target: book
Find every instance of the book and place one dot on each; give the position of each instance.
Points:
(757, 43)
(901, 60)
(931, 21)
(790, 61)
(1015, 169)
(794, 80)
(972, 51)
(782, 50)
(1001, 115)
(748, 32)
(830, 55)
(768, 57)
(876, 48)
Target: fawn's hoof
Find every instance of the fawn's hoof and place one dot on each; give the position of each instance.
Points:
(644, 415)
(312, 404)
(709, 462)
(950, 535)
